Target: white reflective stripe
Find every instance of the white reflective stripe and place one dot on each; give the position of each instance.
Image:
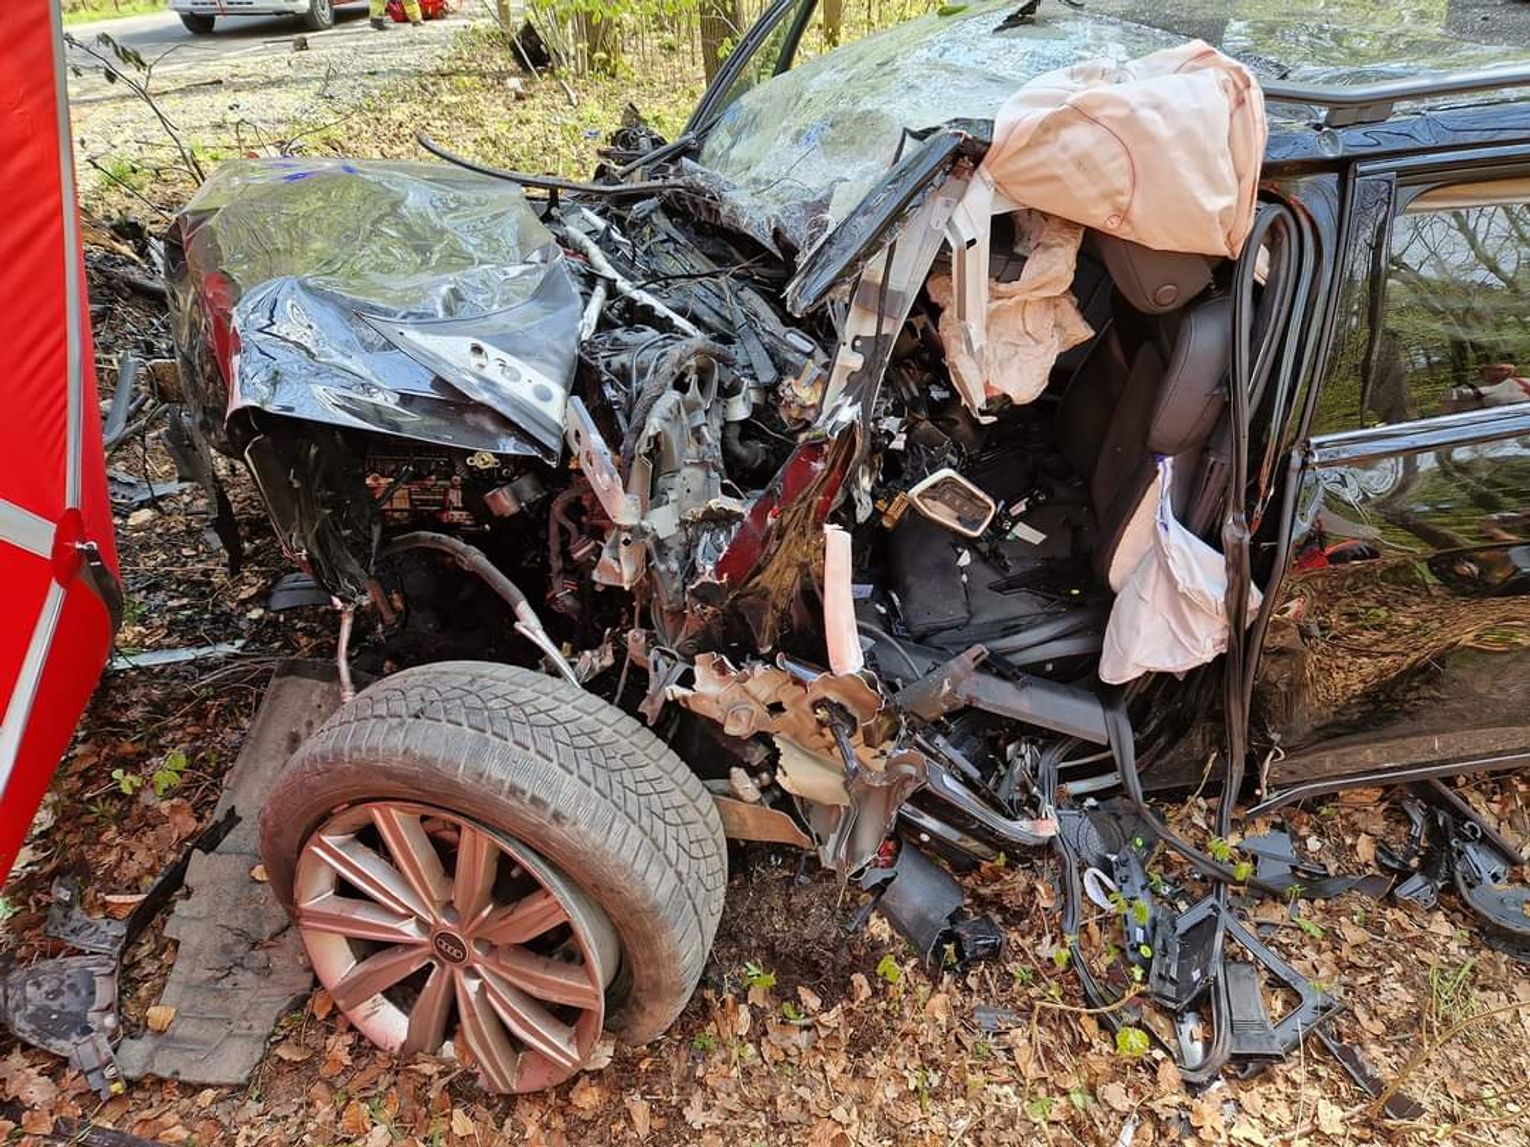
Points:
(19, 710)
(25, 530)
(73, 456)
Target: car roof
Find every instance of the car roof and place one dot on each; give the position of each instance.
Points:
(831, 125)
(1335, 43)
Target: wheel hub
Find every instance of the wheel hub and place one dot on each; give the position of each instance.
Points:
(450, 947)
(426, 927)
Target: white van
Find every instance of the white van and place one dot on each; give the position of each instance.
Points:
(199, 15)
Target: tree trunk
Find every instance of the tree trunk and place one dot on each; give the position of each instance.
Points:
(833, 21)
(721, 21)
(602, 43)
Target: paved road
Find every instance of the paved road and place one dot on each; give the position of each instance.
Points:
(244, 86)
(233, 38)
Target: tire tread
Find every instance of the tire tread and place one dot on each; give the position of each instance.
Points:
(535, 742)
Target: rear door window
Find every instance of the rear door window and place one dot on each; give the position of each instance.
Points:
(1453, 323)
(1456, 327)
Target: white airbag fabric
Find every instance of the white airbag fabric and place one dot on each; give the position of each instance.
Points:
(1171, 612)
(1164, 150)
(1029, 322)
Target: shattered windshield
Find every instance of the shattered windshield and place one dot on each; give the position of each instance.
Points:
(826, 130)
(830, 127)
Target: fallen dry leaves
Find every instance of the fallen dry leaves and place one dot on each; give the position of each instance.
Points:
(159, 1017)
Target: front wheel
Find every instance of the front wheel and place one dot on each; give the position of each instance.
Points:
(484, 855)
(197, 24)
(320, 15)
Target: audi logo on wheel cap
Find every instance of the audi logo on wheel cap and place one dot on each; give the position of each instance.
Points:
(450, 947)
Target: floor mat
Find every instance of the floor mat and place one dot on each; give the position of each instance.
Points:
(240, 964)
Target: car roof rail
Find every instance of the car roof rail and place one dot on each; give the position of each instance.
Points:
(1373, 103)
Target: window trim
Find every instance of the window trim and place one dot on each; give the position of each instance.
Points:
(1463, 428)
(706, 110)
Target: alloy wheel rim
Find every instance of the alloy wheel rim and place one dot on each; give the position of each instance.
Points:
(435, 934)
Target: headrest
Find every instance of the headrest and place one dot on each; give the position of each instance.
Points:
(1197, 350)
(1154, 282)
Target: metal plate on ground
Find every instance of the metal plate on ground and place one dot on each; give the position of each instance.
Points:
(240, 964)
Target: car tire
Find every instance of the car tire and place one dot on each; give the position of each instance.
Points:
(320, 15)
(536, 759)
(198, 24)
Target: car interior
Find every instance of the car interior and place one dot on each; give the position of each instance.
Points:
(1075, 471)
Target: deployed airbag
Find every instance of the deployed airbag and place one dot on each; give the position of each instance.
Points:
(1164, 150)
(1170, 614)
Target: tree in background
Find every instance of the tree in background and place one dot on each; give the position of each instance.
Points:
(600, 33)
(833, 22)
(722, 22)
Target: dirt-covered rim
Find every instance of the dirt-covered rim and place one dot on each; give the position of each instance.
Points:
(415, 917)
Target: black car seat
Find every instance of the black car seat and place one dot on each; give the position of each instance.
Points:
(1155, 383)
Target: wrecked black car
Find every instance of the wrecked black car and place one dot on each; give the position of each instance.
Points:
(796, 481)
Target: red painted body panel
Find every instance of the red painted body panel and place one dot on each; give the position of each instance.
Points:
(55, 630)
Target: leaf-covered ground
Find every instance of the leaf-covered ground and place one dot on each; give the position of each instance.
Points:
(801, 1032)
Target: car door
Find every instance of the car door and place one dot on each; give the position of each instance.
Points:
(1402, 636)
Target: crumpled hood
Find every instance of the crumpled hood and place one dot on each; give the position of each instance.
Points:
(413, 299)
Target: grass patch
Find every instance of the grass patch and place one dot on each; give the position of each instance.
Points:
(87, 11)
(468, 104)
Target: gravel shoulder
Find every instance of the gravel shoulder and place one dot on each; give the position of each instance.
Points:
(254, 87)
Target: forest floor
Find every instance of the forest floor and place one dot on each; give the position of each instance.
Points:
(802, 1031)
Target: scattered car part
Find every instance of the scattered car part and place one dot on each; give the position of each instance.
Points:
(1397, 1106)
(925, 905)
(130, 492)
(238, 964)
(154, 658)
(954, 502)
(68, 1006)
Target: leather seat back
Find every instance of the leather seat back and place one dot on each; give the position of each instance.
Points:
(1154, 384)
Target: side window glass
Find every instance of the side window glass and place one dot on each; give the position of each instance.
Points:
(1456, 332)
(1454, 322)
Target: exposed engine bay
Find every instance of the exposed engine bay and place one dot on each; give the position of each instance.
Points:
(734, 487)
(744, 512)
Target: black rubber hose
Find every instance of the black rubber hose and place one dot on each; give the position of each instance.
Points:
(470, 558)
(661, 377)
(546, 182)
(1118, 727)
